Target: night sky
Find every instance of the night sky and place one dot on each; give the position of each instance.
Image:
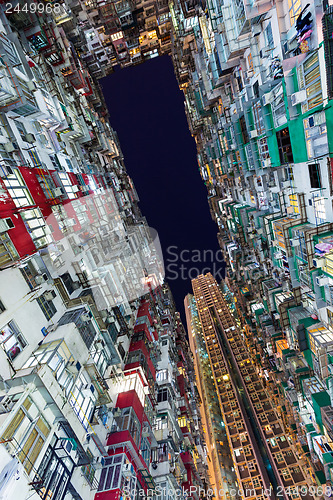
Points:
(147, 111)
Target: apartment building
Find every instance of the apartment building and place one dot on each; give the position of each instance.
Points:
(97, 384)
(257, 78)
(263, 451)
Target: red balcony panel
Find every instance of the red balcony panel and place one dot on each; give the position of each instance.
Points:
(130, 398)
(141, 328)
(108, 495)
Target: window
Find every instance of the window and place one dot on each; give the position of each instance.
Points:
(269, 35)
(82, 399)
(293, 200)
(12, 340)
(17, 189)
(65, 180)
(250, 62)
(319, 208)
(309, 79)
(263, 150)
(88, 470)
(12, 56)
(295, 7)
(163, 395)
(21, 129)
(29, 431)
(55, 471)
(243, 128)
(161, 422)
(7, 250)
(47, 307)
(128, 421)
(111, 476)
(85, 326)
(35, 224)
(162, 375)
(34, 157)
(145, 450)
(68, 282)
(278, 107)
(284, 145)
(258, 118)
(47, 184)
(182, 421)
(314, 174)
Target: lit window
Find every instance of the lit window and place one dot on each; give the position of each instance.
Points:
(295, 7)
(309, 79)
(18, 189)
(28, 432)
(12, 340)
(36, 226)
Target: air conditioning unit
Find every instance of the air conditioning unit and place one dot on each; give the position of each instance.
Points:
(298, 97)
(57, 192)
(31, 86)
(88, 389)
(6, 224)
(75, 188)
(116, 412)
(10, 147)
(145, 431)
(256, 29)
(50, 295)
(266, 163)
(128, 470)
(85, 317)
(71, 222)
(271, 184)
(267, 98)
(29, 138)
(5, 171)
(98, 462)
(278, 255)
(265, 52)
(285, 184)
(294, 242)
(41, 278)
(319, 262)
(253, 134)
(322, 280)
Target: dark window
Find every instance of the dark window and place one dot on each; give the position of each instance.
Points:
(83, 324)
(256, 89)
(121, 351)
(54, 473)
(162, 395)
(284, 145)
(47, 307)
(244, 132)
(12, 340)
(269, 35)
(2, 307)
(68, 282)
(314, 173)
(138, 336)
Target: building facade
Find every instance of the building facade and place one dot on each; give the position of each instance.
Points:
(257, 84)
(264, 453)
(97, 390)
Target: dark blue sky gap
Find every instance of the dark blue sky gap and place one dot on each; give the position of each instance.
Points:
(147, 111)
